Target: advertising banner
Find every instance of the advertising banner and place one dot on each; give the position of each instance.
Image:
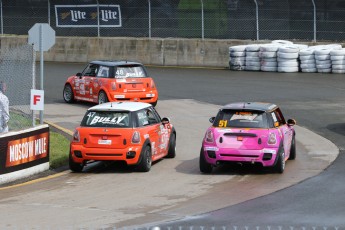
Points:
(24, 149)
(88, 16)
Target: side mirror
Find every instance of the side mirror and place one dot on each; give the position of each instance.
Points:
(78, 75)
(212, 119)
(165, 120)
(291, 122)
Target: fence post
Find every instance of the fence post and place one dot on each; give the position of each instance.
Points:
(48, 12)
(98, 30)
(202, 20)
(314, 20)
(149, 2)
(257, 20)
(2, 19)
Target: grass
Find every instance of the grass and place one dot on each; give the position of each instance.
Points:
(58, 150)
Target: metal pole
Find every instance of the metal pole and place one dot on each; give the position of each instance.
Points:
(150, 28)
(49, 12)
(202, 20)
(41, 67)
(2, 19)
(257, 20)
(314, 20)
(98, 29)
(33, 82)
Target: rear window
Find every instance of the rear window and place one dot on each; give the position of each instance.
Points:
(241, 119)
(106, 119)
(130, 72)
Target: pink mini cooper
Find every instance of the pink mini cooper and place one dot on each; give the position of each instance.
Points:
(249, 132)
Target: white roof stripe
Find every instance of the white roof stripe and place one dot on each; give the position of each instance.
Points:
(123, 106)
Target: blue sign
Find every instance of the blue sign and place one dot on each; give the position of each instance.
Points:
(88, 16)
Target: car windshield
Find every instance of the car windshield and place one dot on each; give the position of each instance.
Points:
(106, 119)
(241, 119)
(130, 72)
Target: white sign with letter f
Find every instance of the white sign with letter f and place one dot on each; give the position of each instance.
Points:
(37, 99)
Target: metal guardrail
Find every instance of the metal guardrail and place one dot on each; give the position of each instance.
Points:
(309, 20)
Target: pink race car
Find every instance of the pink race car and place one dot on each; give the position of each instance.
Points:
(249, 132)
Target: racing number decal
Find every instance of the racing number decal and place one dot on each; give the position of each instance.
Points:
(223, 123)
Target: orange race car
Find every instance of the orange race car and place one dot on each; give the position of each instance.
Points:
(103, 81)
(132, 132)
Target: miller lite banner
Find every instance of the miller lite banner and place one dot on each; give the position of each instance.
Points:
(88, 16)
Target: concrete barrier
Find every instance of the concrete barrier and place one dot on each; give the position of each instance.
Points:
(154, 51)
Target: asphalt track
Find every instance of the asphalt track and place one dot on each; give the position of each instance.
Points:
(314, 100)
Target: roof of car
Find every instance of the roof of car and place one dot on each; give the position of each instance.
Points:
(115, 62)
(120, 106)
(260, 106)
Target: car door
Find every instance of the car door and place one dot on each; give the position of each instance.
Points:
(285, 130)
(101, 80)
(86, 80)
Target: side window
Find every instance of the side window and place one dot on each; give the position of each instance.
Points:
(147, 117)
(153, 119)
(278, 118)
(156, 114)
(91, 70)
(143, 120)
(103, 72)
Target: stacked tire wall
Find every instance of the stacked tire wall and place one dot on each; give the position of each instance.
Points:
(287, 57)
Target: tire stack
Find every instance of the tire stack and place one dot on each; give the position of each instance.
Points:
(323, 60)
(307, 60)
(252, 58)
(268, 56)
(237, 57)
(338, 60)
(288, 59)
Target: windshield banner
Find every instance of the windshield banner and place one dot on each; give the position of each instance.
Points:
(88, 16)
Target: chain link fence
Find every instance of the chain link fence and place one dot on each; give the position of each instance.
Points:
(320, 20)
(17, 73)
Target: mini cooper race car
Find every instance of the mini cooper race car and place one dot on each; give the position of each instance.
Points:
(103, 81)
(132, 132)
(248, 132)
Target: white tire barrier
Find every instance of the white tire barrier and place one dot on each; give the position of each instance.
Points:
(238, 48)
(267, 54)
(238, 54)
(288, 64)
(280, 54)
(269, 68)
(324, 66)
(288, 49)
(338, 71)
(322, 57)
(307, 57)
(252, 54)
(252, 48)
(253, 68)
(322, 62)
(269, 63)
(253, 63)
(308, 66)
(282, 42)
(256, 59)
(335, 58)
(338, 62)
(310, 61)
(288, 69)
(338, 67)
(324, 70)
(309, 70)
